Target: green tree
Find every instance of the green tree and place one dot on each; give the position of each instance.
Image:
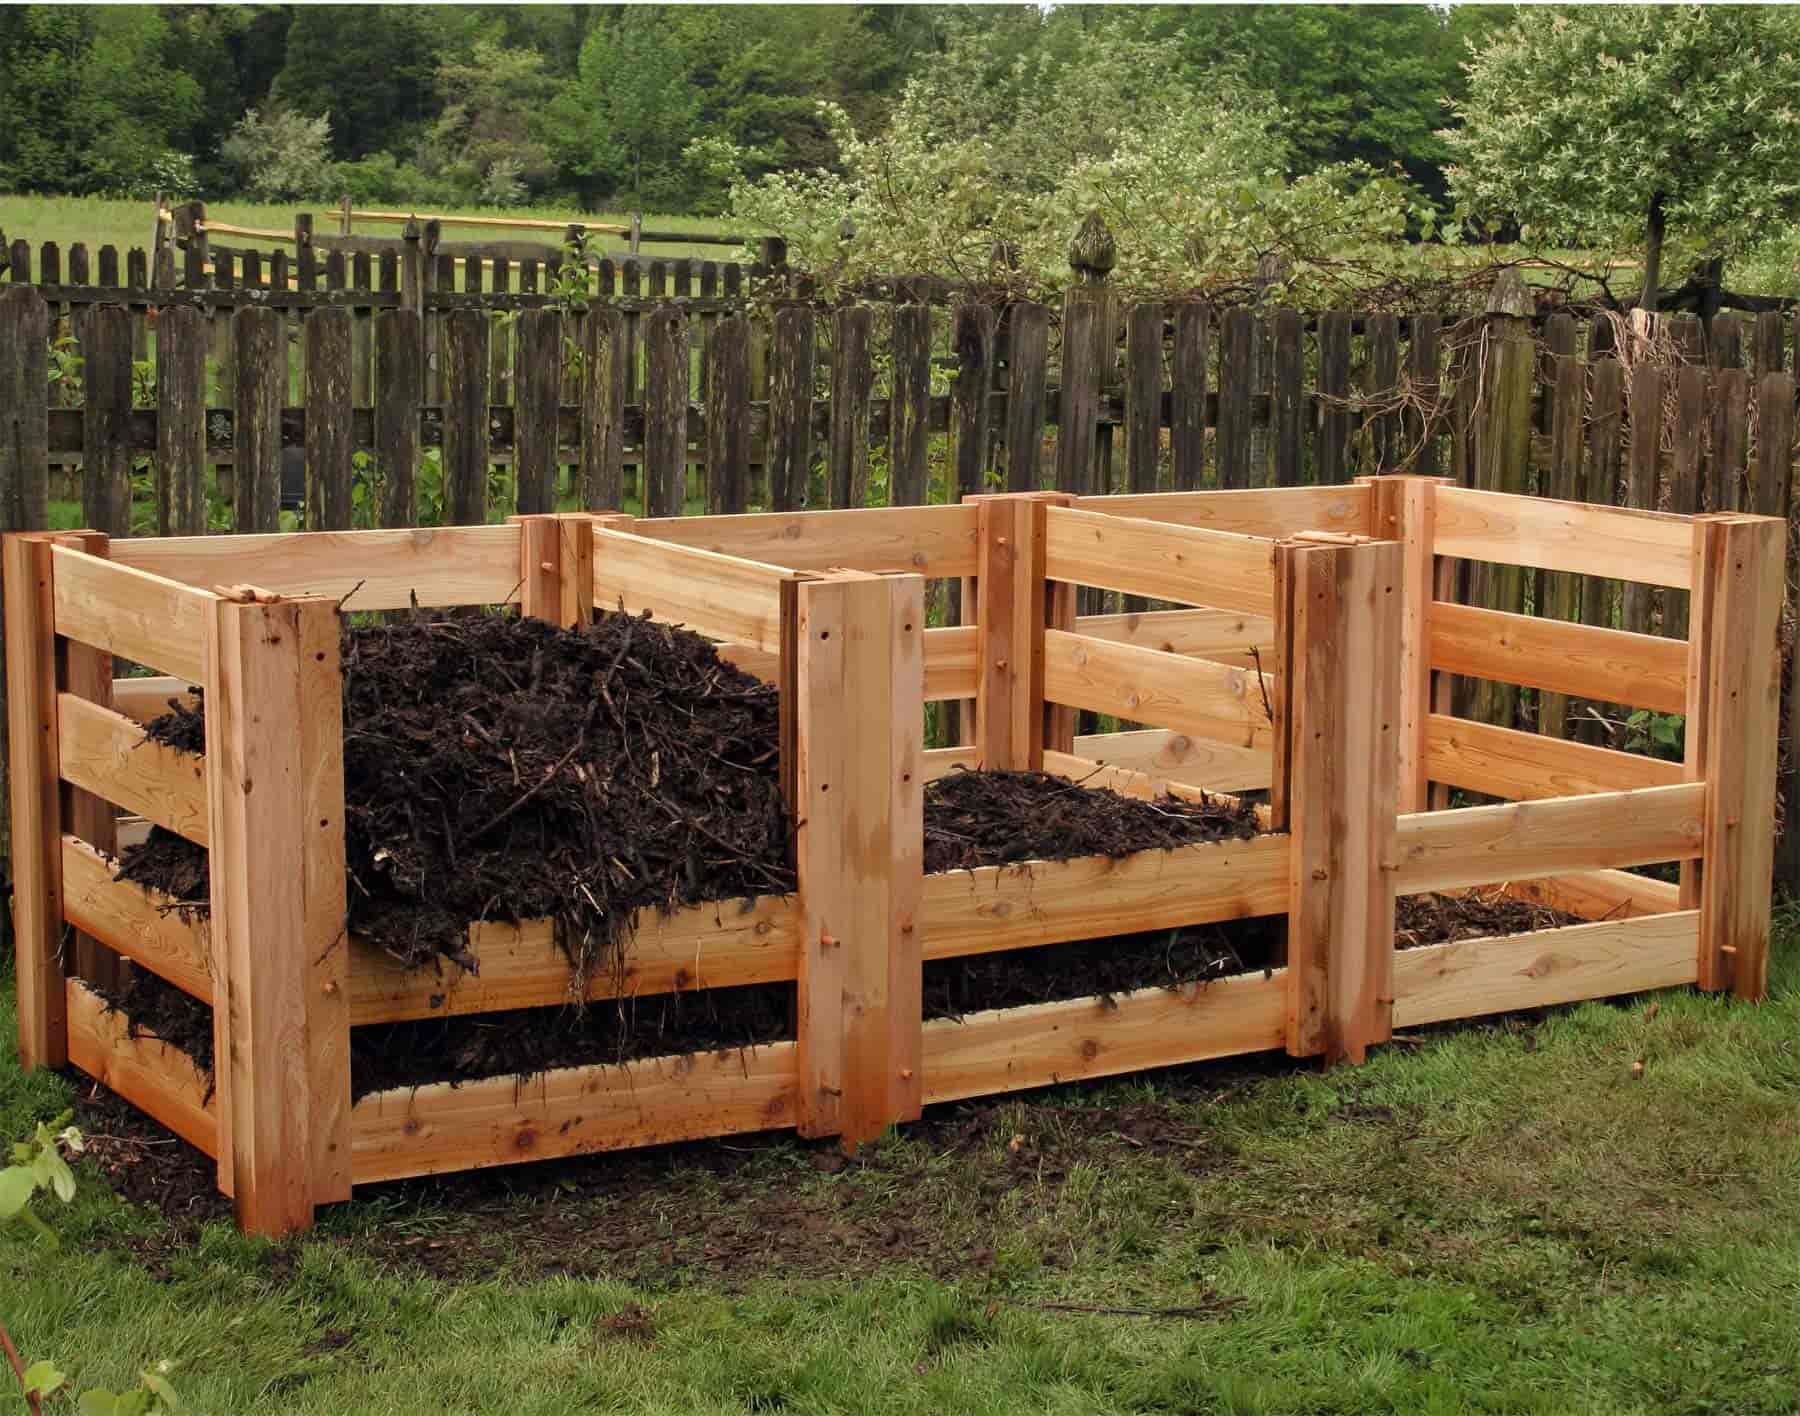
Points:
(370, 66)
(488, 137)
(1597, 124)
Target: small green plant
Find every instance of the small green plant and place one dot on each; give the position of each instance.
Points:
(1655, 734)
(67, 382)
(39, 1165)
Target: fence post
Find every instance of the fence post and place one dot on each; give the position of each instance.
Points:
(1341, 686)
(858, 688)
(1013, 606)
(1405, 510)
(1734, 704)
(274, 742)
(1087, 342)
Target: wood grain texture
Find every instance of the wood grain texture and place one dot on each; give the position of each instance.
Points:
(1518, 766)
(1203, 763)
(1164, 561)
(1224, 636)
(1271, 512)
(131, 614)
(934, 541)
(1599, 894)
(1644, 546)
(156, 1077)
(1179, 692)
(721, 596)
(106, 753)
(145, 927)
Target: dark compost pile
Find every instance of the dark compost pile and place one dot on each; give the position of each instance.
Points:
(1473, 914)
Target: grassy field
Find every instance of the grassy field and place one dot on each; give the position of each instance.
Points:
(1499, 1218)
(101, 222)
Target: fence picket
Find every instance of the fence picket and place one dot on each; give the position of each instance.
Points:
(398, 386)
(181, 339)
(465, 456)
(1333, 459)
(1772, 476)
(852, 377)
(665, 410)
(909, 410)
(105, 419)
(329, 448)
(1026, 375)
(261, 352)
(728, 416)
(1730, 438)
(537, 376)
(1187, 396)
(1383, 338)
(1285, 371)
(1233, 443)
(603, 410)
(1645, 397)
(789, 456)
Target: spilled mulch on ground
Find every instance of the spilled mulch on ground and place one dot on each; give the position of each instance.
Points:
(1473, 914)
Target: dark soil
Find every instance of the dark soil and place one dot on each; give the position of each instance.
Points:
(1447, 919)
(997, 818)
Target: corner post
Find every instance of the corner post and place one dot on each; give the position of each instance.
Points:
(274, 739)
(36, 801)
(1734, 704)
(859, 804)
(1343, 689)
(1013, 606)
(556, 567)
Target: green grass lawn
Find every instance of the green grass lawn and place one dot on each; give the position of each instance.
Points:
(101, 221)
(1493, 1218)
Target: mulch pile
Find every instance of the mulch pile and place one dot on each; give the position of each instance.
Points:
(1449, 919)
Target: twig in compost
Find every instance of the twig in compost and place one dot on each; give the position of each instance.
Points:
(352, 590)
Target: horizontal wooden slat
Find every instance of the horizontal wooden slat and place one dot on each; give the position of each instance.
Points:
(386, 570)
(1014, 1048)
(142, 699)
(132, 921)
(1503, 762)
(1646, 547)
(1441, 850)
(708, 946)
(928, 540)
(1187, 564)
(720, 596)
(1177, 757)
(135, 615)
(107, 754)
(1643, 670)
(1481, 976)
(1599, 894)
(941, 761)
(158, 1079)
(950, 662)
(1225, 636)
(1048, 902)
(432, 1129)
(1263, 511)
(1181, 693)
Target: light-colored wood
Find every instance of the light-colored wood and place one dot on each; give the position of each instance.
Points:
(1518, 766)
(1343, 706)
(106, 753)
(1177, 757)
(1599, 894)
(147, 928)
(1050, 902)
(1644, 670)
(1173, 691)
(719, 596)
(156, 1077)
(1620, 543)
(1224, 636)
(886, 994)
(717, 945)
(1537, 970)
(1272, 512)
(1009, 721)
(143, 699)
(1405, 511)
(952, 656)
(540, 567)
(1744, 560)
(1443, 850)
(941, 761)
(1187, 564)
(131, 614)
(440, 1128)
(36, 801)
(824, 730)
(933, 541)
(575, 567)
(1011, 1049)
(436, 567)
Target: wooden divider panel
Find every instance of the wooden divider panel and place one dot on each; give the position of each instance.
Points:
(721, 596)
(1643, 670)
(1518, 766)
(934, 541)
(1187, 564)
(131, 614)
(1179, 757)
(156, 1077)
(1272, 512)
(148, 929)
(107, 754)
(1644, 546)
(1224, 636)
(1181, 693)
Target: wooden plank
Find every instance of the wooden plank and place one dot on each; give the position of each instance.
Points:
(442, 1128)
(145, 927)
(1262, 511)
(1164, 561)
(36, 818)
(464, 565)
(821, 759)
(537, 368)
(1187, 395)
(1743, 559)
(105, 411)
(941, 761)
(1599, 894)
(1285, 371)
(1235, 378)
(1603, 486)
(909, 409)
(1686, 491)
(156, 1077)
(1771, 477)
(24, 395)
(106, 753)
(603, 409)
(1332, 454)
(666, 391)
(1645, 398)
(1405, 511)
(1179, 758)
(1539, 970)
(1342, 686)
(1086, 331)
(721, 596)
(1012, 1049)
(181, 343)
(728, 416)
(1143, 394)
(1028, 329)
(130, 614)
(328, 442)
(1622, 544)
(259, 338)
(1381, 333)
(1558, 595)
(971, 398)
(465, 455)
(1009, 722)
(1422, 423)
(1441, 850)
(791, 357)
(141, 699)
(951, 656)
(1178, 692)
(1225, 636)
(399, 390)
(1639, 669)
(1519, 766)
(934, 541)
(1049, 902)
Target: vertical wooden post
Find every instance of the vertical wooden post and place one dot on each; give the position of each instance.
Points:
(858, 665)
(728, 417)
(790, 371)
(666, 410)
(556, 567)
(106, 419)
(1504, 459)
(465, 455)
(971, 399)
(1028, 329)
(274, 745)
(1734, 701)
(1342, 688)
(181, 338)
(261, 347)
(1013, 607)
(537, 382)
(399, 389)
(909, 410)
(36, 802)
(603, 410)
(329, 442)
(1406, 511)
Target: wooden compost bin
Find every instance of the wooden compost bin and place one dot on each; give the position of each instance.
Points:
(831, 606)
